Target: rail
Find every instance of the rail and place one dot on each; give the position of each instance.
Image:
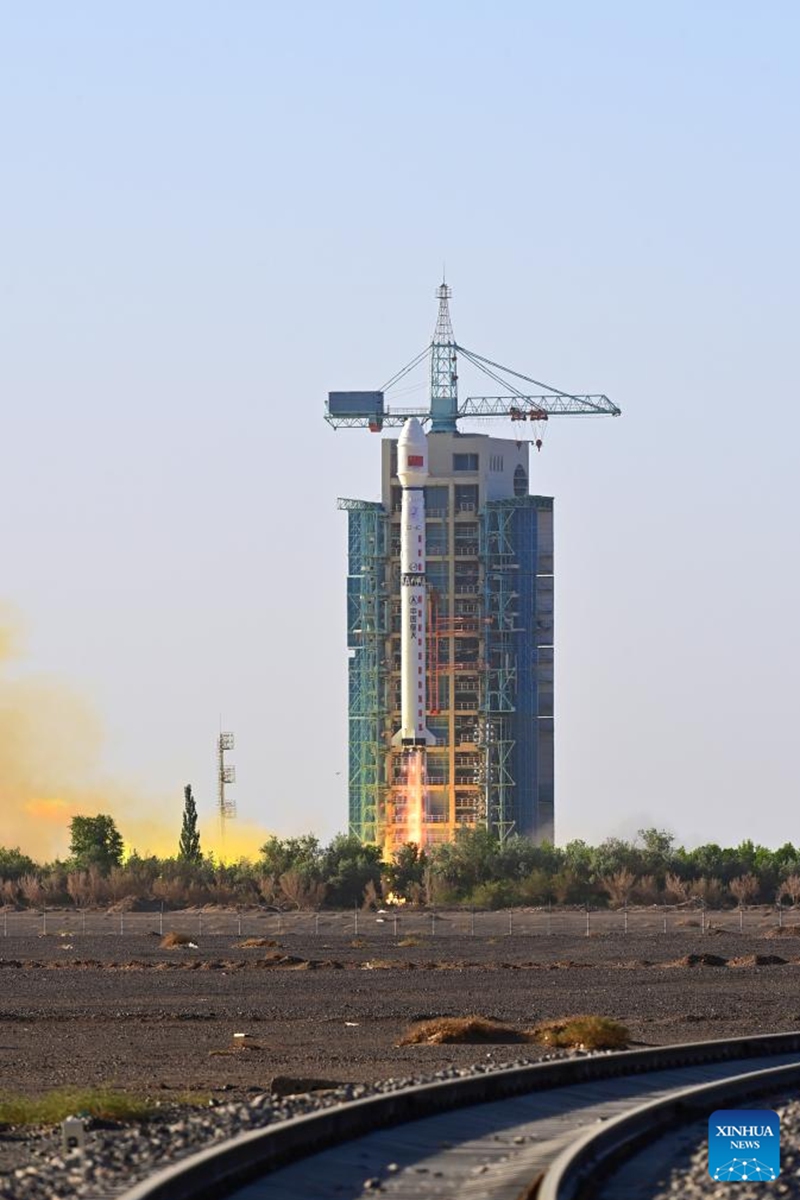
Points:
(222, 1169)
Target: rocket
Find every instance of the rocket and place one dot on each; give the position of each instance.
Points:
(412, 471)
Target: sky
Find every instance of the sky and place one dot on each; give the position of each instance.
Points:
(212, 214)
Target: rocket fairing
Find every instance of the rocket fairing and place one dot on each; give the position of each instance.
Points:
(412, 471)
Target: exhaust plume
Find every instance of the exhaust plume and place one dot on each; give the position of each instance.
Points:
(50, 743)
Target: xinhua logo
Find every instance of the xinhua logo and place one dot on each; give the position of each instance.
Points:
(744, 1143)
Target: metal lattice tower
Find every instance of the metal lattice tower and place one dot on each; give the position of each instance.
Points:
(226, 774)
(444, 368)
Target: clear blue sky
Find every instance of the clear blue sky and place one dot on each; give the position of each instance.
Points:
(213, 213)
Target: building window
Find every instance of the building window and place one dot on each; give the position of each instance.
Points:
(466, 497)
(436, 501)
(496, 462)
(436, 541)
(520, 481)
(465, 462)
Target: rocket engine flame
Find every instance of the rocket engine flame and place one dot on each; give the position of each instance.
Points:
(416, 796)
(410, 801)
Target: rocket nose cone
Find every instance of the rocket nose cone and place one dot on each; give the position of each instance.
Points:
(412, 454)
(413, 437)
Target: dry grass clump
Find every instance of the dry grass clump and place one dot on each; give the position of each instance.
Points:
(783, 931)
(284, 960)
(757, 960)
(172, 939)
(583, 1033)
(440, 1031)
(698, 960)
(255, 943)
(410, 941)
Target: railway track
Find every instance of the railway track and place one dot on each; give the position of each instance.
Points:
(549, 1130)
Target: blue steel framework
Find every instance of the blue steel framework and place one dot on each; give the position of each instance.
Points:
(366, 632)
(516, 725)
(513, 781)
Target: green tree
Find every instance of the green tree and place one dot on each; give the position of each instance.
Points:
(406, 870)
(658, 843)
(95, 842)
(302, 854)
(14, 864)
(470, 859)
(189, 845)
(348, 865)
(615, 855)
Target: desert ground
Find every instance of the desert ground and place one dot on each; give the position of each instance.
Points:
(98, 999)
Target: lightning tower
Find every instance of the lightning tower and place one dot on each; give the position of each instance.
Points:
(226, 774)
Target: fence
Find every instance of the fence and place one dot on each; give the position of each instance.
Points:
(399, 923)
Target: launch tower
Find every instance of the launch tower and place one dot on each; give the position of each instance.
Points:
(487, 578)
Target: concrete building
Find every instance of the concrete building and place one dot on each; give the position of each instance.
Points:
(490, 646)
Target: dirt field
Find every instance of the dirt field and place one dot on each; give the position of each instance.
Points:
(93, 1008)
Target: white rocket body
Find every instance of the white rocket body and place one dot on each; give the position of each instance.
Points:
(412, 471)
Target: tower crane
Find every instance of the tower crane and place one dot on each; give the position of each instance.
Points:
(369, 410)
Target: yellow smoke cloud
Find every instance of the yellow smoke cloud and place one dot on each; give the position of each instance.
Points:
(50, 743)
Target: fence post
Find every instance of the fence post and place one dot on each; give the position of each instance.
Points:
(472, 921)
(665, 918)
(199, 924)
(626, 916)
(702, 916)
(316, 922)
(239, 921)
(549, 917)
(394, 924)
(587, 920)
(780, 915)
(355, 921)
(741, 919)
(5, 922)
(433, 924)
(44, 919)
(161, 920)
(121, 923)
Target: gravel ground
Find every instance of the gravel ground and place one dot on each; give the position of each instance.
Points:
(115, 1158)
(100, 1010)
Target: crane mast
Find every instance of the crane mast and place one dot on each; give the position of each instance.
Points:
(444, 369)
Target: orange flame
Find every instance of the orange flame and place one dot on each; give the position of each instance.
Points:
(410, 804)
